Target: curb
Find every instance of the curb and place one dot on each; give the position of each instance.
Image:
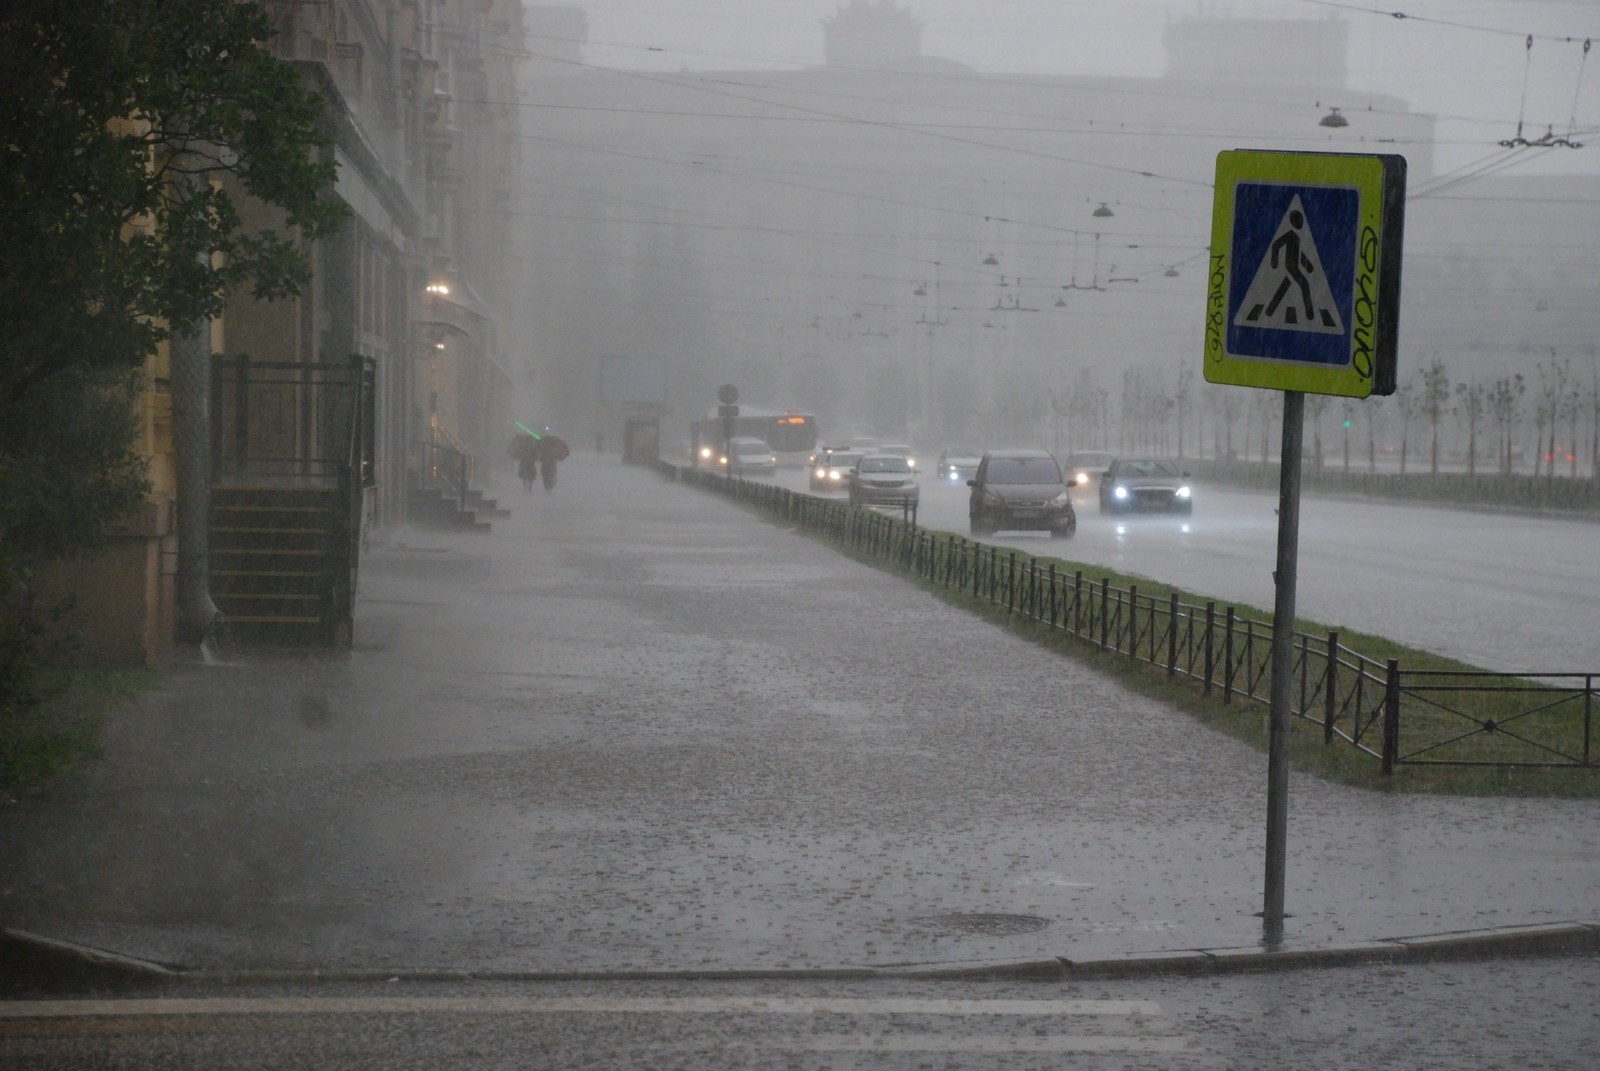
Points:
(1559, 939)
(28, 956)
(33, 956)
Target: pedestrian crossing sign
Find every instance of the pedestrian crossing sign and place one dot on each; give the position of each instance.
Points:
(1303, 292)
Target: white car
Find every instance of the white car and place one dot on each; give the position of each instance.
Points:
(902, 450)
(832, 472)
(750, 457)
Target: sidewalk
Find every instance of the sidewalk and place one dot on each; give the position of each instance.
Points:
(639, 729)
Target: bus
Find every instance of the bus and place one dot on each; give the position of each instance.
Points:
(791, 434)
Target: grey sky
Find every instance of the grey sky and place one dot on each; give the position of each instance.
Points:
(1465, 60)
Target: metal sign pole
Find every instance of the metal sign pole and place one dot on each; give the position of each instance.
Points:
(1303, 296)
(1283, 662)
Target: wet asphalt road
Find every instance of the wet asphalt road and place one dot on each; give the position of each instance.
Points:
(637, 728)
(1515, 1014)
(1512, 591)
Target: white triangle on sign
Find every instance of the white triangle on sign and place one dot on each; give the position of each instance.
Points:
(1290, 290)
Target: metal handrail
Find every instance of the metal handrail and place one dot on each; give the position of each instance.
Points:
(446, 468)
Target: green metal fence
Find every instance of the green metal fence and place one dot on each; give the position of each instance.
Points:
(1395, 715)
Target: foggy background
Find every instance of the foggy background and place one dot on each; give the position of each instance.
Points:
(945, 220)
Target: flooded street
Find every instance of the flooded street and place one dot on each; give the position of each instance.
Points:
(640, 728)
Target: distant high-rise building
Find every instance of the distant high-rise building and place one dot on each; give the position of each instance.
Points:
(1288, 53)
(872, 35)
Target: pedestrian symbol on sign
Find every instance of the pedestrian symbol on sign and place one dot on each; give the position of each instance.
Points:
(1290, 288)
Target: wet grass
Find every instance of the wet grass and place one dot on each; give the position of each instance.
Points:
(40, 744)
(1448, 725)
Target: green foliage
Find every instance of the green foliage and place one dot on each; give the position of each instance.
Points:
(33, 753)
(118, 113)
(37, 745)
(68, 473)
(68, 477)
(120, 119)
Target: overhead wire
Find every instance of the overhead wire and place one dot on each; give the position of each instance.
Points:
(726, 87)
(1390, 13)
(1577, 91)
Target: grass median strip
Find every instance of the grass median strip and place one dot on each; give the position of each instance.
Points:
(1459, 729)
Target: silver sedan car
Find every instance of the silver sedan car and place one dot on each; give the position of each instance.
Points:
(883, 480)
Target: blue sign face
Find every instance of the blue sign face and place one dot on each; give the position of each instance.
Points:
(1292, 291)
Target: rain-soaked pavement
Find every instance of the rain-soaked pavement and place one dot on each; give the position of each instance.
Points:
(638, 728)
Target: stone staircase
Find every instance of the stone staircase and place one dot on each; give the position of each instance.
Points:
(281, 569)
(433, 507)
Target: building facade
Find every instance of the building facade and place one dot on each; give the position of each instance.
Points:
(419, 108)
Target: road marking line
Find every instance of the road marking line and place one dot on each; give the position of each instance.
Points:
(984, 1044)
(77, 1009)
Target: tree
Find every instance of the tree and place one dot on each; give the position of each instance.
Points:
(1552, 388)
(1594, 419)
(1571, 410)
(1183, 397)
(1409, 406)
(1470, 408)
(1434, 403)
(1232, 406)
(1086, 409)
(121, 118)
(1261, 407)
(1505, 407)
(1316, 406)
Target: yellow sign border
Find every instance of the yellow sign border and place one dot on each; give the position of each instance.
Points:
(1364, 173)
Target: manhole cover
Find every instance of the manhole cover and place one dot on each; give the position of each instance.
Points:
(988, 925)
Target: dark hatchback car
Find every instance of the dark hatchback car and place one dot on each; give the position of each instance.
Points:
(1145, 484)
(1020, 490)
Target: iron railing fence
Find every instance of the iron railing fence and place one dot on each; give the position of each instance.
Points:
(291, 421)
(1539, 719)
(1396, 716)
(442, 467)
(301, 423)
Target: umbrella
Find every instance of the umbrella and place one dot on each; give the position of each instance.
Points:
(523, 447)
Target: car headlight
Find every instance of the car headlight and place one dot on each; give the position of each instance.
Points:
(1082, 477)
(1183, 492)
(705, 451)
(1061, 500)
(834, 475)
(1119, 491)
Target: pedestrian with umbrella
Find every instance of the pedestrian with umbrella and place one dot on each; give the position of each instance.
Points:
(525, 449)
(552, 448)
